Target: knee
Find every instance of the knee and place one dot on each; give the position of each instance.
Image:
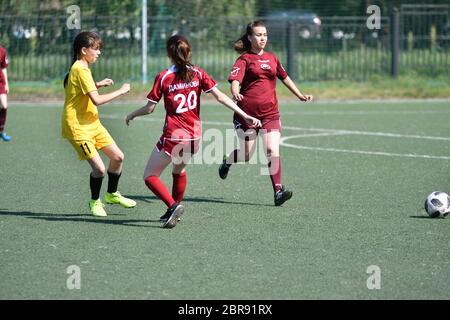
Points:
(147, 175)
(98, 172)
(118, 157)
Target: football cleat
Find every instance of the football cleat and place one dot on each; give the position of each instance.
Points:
(282, 196)
(97, 208)
(173, 215)
(224, 168)
(117, 198)
(5, 137)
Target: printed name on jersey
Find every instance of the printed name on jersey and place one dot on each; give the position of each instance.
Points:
(182, 85)
(264, 61)
(235, 71)
(265, 66)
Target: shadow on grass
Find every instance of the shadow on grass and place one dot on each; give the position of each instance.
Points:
(79, 218)
(151, 199)
(426, 217)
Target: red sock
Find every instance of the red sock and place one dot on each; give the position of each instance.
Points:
(159, 189)
(275, 173)
(2, 118)
(179, 186)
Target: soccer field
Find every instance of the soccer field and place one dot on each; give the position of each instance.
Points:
(360, 173)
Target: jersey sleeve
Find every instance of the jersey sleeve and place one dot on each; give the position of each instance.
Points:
(281, 72)
(87, 83)
(238, 71)
(156, 93)
(207, 82)
(4, 63)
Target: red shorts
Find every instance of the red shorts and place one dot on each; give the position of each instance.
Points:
(177, 148)
(266, 124)
(2, 88)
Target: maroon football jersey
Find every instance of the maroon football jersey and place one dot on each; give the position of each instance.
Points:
(181, 101)
(258, 75)
(3, 63)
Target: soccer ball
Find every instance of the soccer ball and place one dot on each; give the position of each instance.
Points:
(437, 204)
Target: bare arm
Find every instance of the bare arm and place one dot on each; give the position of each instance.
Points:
(235, 90)
(104, 83)
(147, 109)
(104, 98)
(5, 73)
(293, 88)
(226, 101)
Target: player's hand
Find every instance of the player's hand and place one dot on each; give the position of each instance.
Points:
(105, 82)
(306, 97)
(253, 121)
(238, 97)
(125, 88)
(7, 88)
(129, 118)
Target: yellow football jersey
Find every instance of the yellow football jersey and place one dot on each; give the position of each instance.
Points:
(80, 118)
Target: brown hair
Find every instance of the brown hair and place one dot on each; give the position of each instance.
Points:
(86, 39)
(243, 44)
(179, 51)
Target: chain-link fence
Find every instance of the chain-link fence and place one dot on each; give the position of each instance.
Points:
(311, 47)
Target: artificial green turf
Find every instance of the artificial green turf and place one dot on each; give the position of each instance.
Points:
(349, 211)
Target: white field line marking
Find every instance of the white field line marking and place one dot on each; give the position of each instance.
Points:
(321, 130)
(312, 135)
(327, 132)
(363, 113)
(368, 133)
(365, 152)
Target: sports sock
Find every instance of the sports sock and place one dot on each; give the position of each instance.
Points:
(179, 186)
(113, 181)
(275, 173)
(234, 158)
(159, 189)
(3, 113)
(96, 185)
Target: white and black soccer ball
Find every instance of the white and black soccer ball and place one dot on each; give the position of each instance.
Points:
(437, 204)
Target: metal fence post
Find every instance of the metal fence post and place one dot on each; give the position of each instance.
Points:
(395, 42)
(144, 42)
(291, 54)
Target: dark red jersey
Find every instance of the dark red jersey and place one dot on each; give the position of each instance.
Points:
(181, 101)
(258, 75)
(3, 63)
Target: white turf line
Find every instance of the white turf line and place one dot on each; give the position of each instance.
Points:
(325, 132)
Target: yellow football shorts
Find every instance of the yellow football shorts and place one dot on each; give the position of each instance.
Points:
(87, 148)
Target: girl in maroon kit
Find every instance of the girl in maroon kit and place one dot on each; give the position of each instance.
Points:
(4, 90)
(253, 85)
(180, 86)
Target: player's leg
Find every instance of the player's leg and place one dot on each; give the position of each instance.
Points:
(180, 159)
(178, 186)
(179, 177)
(247, 145)
(156, 164)
(271, 145)
(95, 182)
(3, 113)
(113, 196)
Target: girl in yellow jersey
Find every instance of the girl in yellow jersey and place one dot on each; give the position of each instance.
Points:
(81, 124)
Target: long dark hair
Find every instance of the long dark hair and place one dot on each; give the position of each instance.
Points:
(179, 51)
(86, 39)
(243, 44)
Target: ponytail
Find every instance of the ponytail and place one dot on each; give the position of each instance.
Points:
(179, 51)
(66, 78)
